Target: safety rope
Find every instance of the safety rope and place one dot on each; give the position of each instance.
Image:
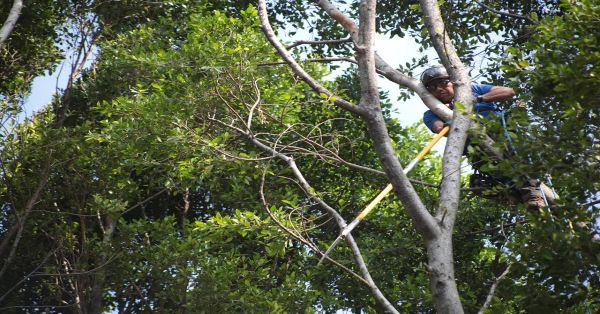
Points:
(514, 151)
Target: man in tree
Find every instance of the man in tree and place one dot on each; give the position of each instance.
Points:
(437, 81)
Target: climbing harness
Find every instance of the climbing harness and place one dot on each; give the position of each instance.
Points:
(384, 193)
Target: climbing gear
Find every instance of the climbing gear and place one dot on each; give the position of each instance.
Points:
(384, 193)
(432, 74)
(536, 194)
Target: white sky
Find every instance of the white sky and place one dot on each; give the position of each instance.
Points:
(399, 51)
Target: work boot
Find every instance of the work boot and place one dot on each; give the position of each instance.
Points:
(551, 196)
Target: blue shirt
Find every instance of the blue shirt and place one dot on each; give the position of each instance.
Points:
(484, 108)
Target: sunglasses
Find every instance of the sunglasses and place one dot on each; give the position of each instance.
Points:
(437, 83)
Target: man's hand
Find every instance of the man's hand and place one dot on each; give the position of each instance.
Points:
(437, 126)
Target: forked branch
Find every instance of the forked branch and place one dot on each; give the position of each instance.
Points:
(296, 68)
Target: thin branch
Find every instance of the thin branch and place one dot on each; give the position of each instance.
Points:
(298, 237)
(337, 217)
(144, 201)
(27, 276)
(17, 229)
(82, 55)
(319, 42)
(322, 60)
(232, 156)
(494, 229)
(490, 295)
(333, 156)
(251, 111)
(592, 203)
(504, 13)
(80, 273)
(46, 306)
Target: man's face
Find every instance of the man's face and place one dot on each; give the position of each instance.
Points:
(442, 89)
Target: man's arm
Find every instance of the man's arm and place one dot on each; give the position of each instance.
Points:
(433, 122)
(497, 93)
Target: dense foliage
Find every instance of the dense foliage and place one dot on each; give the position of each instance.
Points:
(137, 189)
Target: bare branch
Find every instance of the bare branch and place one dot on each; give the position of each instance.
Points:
(340, 221)
(384, 68)
(592, 203)
(490, 295)
(299, 237)
(44, 306)
(319, 42)
(251, 111)
(296, 68)
(504, 13)
(84, 52)
(322, 60)
(319, 151)
(144, 201)
(495, 229)
(308, 190)
(11, 21)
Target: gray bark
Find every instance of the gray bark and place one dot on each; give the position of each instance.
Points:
(437, 229)
(440, 255)
(11, 21)
(95, 303)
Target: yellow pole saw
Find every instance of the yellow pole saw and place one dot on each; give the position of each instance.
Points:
(384, 193)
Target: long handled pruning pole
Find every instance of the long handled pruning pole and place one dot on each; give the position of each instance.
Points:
(384, 193)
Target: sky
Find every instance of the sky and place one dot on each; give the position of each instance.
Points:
(43, 89)
(399, 51)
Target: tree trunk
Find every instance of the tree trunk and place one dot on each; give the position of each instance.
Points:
(95, 304)
(441, 274)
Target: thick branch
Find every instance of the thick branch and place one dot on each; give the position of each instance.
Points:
(440, 254)
(368, 62)
(423, 220)
(11, 21)
(296, 68)
(461, 123)
(397, 77)
(384, 68)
